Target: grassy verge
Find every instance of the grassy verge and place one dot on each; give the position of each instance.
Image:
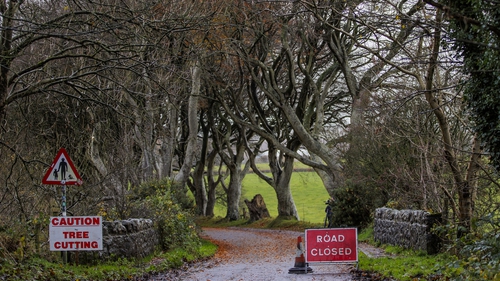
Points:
(123, 269)
(406, 265)
(403, 264)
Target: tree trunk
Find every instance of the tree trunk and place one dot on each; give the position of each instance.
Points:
(286, 204)
(142, 136)
(474, 166)
(5, 48)
(280, 181)
(200, 192)
(464, 189)
(236, 174)
(114, 186)
(257, 208)
(180, 180)
(233, 195)
(168, 144)
(212, 183)
(328, 180)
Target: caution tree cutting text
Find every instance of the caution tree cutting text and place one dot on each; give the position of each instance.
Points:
(75, 233)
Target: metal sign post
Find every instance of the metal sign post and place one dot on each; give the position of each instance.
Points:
(63, 200)
(62, 172)
(63, 211)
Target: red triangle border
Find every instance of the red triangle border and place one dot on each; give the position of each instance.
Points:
(77, 181)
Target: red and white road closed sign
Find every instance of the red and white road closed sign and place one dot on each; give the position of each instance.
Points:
(332, 245)
(75, 233)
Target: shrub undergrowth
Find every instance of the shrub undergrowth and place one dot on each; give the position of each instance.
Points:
(179, 243)
(478, 253)
(354, 204)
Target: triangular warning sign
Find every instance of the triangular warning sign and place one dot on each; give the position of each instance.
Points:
(62, 171)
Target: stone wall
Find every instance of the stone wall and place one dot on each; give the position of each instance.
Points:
(406, 228)
(131, 238)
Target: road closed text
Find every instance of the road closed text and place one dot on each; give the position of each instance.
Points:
(327, 238)
(331, 245)
(331, 251)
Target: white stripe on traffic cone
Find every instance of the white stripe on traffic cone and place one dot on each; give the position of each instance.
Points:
(300, 265)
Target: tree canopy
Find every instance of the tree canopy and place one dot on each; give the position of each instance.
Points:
(369, 95)
(475, 31)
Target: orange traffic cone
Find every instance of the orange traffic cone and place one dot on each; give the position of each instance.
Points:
(300, 265)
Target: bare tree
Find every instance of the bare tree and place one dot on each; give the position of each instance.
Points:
(431, 70)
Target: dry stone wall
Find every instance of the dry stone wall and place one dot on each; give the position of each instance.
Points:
(131, 238)
(410, 229)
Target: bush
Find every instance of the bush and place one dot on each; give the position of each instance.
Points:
(157, 201)
(175, 226)
(354, 204)
(479, 253)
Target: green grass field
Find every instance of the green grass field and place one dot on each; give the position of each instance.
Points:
(308, 193)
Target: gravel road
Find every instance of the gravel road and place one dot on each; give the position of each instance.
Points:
(255, 255)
